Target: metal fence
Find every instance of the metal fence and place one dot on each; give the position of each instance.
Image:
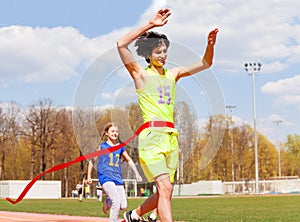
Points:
(273, 186)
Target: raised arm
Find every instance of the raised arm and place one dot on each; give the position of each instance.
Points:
(159, 19)
(205, 63)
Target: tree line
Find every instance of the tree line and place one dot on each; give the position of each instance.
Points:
(40, 136)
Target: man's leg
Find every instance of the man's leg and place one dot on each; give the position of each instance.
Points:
(165, 189)
(160, 200)
(155, 144)
(149, 204)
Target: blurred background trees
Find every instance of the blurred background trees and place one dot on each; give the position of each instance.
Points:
(38, 137)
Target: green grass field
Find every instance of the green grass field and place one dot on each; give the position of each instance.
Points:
(220, 208)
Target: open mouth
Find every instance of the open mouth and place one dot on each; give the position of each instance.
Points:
(162, 61)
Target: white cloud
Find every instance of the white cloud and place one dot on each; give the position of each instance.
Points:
(156, 5)
(272, 129)
(274, 67)
(251, 30)
(119, 94)
(287, 92)
(265, 31)
(283, 87)
(46, 54)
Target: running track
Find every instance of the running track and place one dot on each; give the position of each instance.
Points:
(6, 216)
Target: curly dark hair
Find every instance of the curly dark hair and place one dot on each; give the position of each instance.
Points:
(149, 41)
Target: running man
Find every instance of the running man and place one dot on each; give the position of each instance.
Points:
(156, 89)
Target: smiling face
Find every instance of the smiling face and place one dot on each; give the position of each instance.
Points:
(112, 134)
(159, 55)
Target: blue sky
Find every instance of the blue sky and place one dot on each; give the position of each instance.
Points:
(46, 48)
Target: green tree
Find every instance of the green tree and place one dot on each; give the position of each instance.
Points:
(291, 159)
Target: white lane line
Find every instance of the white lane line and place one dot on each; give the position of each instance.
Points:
(14, 218)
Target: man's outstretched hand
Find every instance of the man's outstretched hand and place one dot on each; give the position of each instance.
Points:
(160, 17)
(212, 36)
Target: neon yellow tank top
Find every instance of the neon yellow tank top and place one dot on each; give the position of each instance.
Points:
(157, 98)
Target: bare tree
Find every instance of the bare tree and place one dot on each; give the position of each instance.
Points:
(9, 131)
(86, 132)
(66, 149)
(188, 135)
(41, 129)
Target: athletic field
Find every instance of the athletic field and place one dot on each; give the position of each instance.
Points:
(212, 208)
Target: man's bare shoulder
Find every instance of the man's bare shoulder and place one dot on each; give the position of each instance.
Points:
(175, 71)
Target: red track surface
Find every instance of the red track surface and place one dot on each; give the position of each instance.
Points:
(6, 216)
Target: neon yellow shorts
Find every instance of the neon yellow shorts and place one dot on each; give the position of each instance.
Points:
(158, 153)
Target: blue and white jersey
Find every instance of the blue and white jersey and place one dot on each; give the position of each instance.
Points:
(109, 166)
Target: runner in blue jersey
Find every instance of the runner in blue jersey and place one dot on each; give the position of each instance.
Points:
(109, 166)
(110, 173)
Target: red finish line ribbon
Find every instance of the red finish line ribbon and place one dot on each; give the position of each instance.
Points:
(91, 155)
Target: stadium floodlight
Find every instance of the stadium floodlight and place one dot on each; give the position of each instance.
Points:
(253, 69)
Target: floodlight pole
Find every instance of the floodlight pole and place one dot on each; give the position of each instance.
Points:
(277, 122)
(252, 69)
(231, 107)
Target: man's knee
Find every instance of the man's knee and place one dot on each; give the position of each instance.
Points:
(164, 185)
